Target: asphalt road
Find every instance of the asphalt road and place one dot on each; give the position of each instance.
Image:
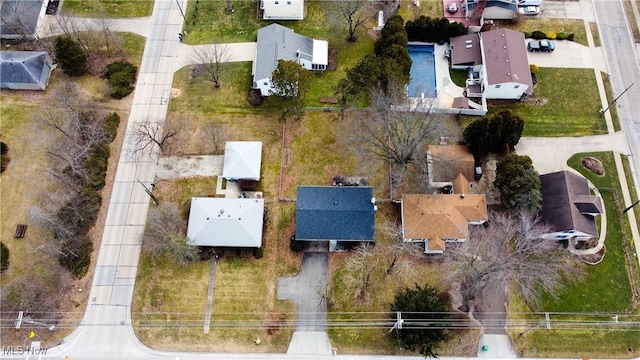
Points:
(623, 62)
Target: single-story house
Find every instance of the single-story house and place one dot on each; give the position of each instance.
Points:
(497, 62)
(226, 222)
(276, 42)
(490, 9)
(242, 160)
(19, 18)
(25, 70)
(436, 219)
(568, 206)
(341, 215)
(445, 162)
(282, 9)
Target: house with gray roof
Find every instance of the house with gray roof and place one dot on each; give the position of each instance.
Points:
(276, 42)
(282, 9)
(341, 215)
(19, 18)
(568, 206)
(490, 9)
(497, 62)
(25, 70)
(226, 222)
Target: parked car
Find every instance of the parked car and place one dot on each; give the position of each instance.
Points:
(529, 10)
(540, 45)
(452, 8)
(477, 169)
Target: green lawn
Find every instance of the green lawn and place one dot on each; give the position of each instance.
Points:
(108, 8)
(605, 290)
(566, 26)
(569, 106)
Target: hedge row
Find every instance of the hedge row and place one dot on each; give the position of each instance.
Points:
(540, 35)
(79, 214)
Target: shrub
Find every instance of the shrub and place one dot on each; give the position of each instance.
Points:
(4, 162)
(75, 255)
(96, 167)
(4, 257)
(79, 214)
(4, 149)
(527, 34)
(551, 35)
(538, 35)
(258, 253)
(295, 245)
(121, 76)
(70, 56)
(111, 123)
(570, 37)
(561, 36)
(534, 69)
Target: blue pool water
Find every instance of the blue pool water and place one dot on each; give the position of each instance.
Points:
(423, 72)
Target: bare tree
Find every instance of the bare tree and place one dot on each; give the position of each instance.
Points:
(399, 134)
(165, 232)
(72, 131)
(510, 251)
(353, 13)
(361, 266)
(215, 135)
(212, 57)
(149, 134)
(398, 255)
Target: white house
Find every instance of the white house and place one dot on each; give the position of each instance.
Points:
(282, 9)
(242, 160)
(497, 62)
(226, 222)
(276, 42)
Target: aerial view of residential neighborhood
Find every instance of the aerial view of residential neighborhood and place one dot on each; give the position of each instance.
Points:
(316, 179)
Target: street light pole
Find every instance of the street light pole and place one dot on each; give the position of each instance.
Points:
(602, 111)
(630, 206)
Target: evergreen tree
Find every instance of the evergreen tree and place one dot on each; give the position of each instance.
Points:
(70, 56)
(421, 303)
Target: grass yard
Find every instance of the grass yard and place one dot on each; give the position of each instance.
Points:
(108, 8)
(595, 34)
(632, 189)
(378, 339)
(566, 26)
(606, 289)
(429, 8)
(244, 290)
(571, 105)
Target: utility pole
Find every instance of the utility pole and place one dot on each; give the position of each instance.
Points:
(146, 189)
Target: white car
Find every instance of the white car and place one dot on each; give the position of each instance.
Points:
(529, 10)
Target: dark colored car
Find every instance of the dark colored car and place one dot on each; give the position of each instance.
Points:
(477, 169)
(540, 46)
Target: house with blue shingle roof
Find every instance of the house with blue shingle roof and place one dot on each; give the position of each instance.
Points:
(341, 215)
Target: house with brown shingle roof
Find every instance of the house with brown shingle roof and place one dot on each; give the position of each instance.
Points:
(446, 162)
(436, 219)
(497, 62)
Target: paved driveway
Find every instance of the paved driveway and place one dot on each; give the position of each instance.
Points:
(306, 290)
(551, 154)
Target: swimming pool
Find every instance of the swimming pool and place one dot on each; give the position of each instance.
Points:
(423, 71)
